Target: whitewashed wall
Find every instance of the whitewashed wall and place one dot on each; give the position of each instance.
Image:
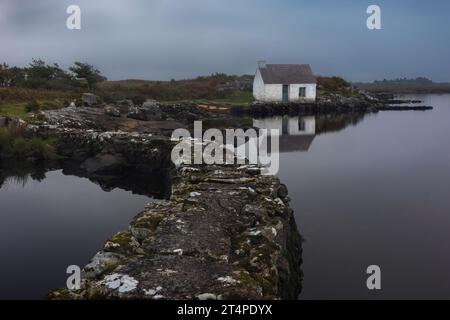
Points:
(310, 94)
(274, 92)
(258, 87)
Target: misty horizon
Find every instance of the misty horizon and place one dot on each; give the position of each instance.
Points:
(154, 40)
(234, 75)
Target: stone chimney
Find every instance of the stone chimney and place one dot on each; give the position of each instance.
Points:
(261, 64)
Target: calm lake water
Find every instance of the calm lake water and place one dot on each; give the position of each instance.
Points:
(48, 225)
(376, 192)
(366, 190)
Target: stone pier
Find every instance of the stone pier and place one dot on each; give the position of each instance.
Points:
(227, 232)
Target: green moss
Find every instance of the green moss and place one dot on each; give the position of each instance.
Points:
(123, 238)
(183, 189)
(267, 284)
(95, 293)
(266, 250)
(110, 267)
(148, 221)
(247, 280)
(188, 205)
(275, 221)
(59, 294)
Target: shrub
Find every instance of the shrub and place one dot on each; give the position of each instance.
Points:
(49, 105)
(32, 106)
(333, 84)
(14, 145)
(138, 100)
(34, 148)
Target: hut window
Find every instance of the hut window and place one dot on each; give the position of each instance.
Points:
(302, 92)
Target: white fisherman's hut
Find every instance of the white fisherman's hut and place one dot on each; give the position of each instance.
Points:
(284, 83)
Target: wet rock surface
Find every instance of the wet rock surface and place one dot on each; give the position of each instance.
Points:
(227, 232)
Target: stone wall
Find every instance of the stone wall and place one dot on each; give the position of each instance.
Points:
(226, 233)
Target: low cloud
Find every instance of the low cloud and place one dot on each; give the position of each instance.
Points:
(164, 39)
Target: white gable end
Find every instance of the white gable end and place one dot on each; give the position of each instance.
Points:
(258, 86)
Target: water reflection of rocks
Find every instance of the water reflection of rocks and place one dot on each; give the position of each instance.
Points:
(156, 185)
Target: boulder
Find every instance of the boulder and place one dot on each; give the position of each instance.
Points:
(89, 99)
(100, 263)
(124, 105)
(147, 112)
(136, 113)
(125, 102)
(112, 111)
(149, 103)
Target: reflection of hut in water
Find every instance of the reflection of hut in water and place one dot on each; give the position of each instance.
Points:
(295, 133)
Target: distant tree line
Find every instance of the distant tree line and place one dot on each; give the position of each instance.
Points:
(405, 85)
(418, 80)
(40, 75)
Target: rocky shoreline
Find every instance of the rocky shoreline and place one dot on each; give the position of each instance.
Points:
(331, 104)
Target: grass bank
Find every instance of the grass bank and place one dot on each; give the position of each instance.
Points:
(236, 98)
(22, 102)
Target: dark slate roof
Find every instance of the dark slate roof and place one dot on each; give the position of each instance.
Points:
(287, 74)
(290, 143)
(295, 142)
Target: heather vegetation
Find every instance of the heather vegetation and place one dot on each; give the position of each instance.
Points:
(217, 86)
(333, 85)
(41, 86)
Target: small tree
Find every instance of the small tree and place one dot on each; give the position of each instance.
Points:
(4, 75)
(88, 72)
(38, 69)
(11, 76)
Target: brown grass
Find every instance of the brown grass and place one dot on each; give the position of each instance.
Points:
(15, 94)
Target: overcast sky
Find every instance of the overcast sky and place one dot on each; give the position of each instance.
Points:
(164, 39)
